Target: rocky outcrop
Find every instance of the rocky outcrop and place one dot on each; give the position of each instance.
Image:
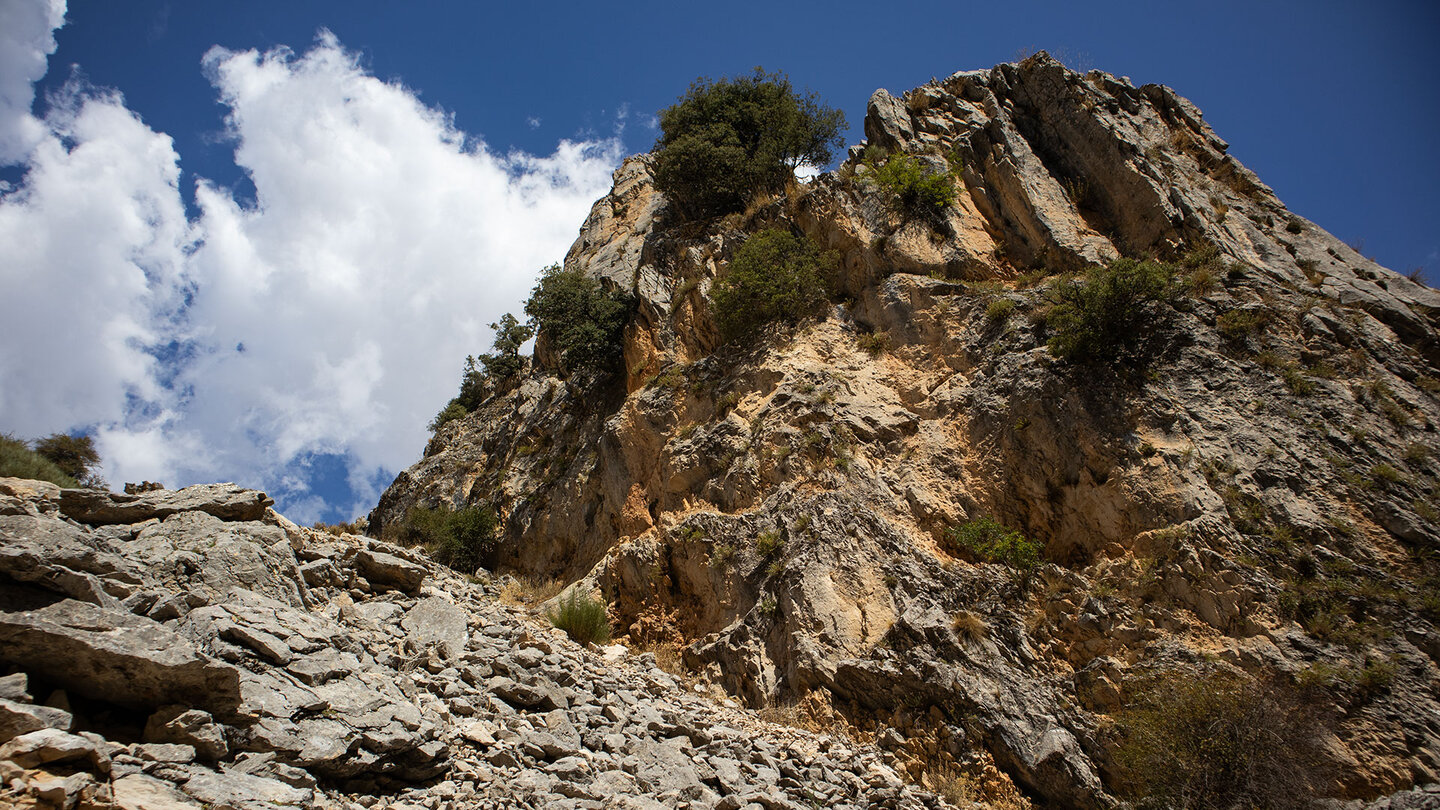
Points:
(253, 664)
(1260, 494)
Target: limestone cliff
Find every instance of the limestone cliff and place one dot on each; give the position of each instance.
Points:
(1260, 497)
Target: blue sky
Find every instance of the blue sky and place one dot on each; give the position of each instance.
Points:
(281, 226)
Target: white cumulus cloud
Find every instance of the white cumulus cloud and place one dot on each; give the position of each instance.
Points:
(328, 316)
(27, 38)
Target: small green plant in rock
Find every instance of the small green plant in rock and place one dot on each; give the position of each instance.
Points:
(1239, 324)
(768, 543)
(999, 310)
(915, 188)
(582, 617)
(873, 343)
(986, 540)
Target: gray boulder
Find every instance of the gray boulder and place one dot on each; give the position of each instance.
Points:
(224, 501)
(115, 657)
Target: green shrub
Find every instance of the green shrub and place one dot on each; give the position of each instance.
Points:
(583, 322)
(999, 310)
(1108, 316)
(1216, 740)
(774, 276)
(74, 455)
(452, 411)
(988, 541)
(724, 141)
(17, 460)
(582, 617)
(916, 189)
(459, 538)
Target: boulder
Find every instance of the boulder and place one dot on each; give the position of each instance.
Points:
(436, 623)
(23, 718)
(225, 501)
(389, 571)
(115, 657)
(50, 746)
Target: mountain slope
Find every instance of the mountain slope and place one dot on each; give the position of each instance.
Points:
(1250, 498)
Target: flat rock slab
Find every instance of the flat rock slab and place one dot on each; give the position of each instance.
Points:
(225, 501)
(115, 657)
(389, 571)
(435, 622)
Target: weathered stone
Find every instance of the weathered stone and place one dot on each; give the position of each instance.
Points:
(141, 792)
(389, 571)
(115, 657)
(436, 623)
(190, 727)
(23, 718)
(50, 746)
(224, 501)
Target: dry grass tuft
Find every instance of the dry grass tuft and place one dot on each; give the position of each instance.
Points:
(530, 591)
(970, 627)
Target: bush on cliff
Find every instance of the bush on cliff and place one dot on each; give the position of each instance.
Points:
(17, 460)
(583, 322)
(459, 538)
(774, 276)
(1108, 315)
(726, 140)
(986, 540)
(1217, 740)
(914, 188)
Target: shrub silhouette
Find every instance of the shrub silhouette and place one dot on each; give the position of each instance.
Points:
(17, 460)
(726, 140)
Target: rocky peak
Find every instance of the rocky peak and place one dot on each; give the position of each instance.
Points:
(1257, 501)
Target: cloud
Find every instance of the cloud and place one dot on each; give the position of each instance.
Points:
(533, 122)
(380, 243)
(95, 242)
(27, 38)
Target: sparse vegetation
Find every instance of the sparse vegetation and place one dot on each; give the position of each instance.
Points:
(17, 460)
(873, 343)
(768, 543)
(999, 310)
(916, 189)
(1108, 315)
(985, 540)
(582, 617)
(725, 141)
(1216, 740)
(774, 276)
(969, 626)
(459, 538)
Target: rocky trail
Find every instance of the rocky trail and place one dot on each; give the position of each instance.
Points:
(194, 649)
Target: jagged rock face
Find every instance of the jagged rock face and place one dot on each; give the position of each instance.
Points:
(248, 663)
(782, 507)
